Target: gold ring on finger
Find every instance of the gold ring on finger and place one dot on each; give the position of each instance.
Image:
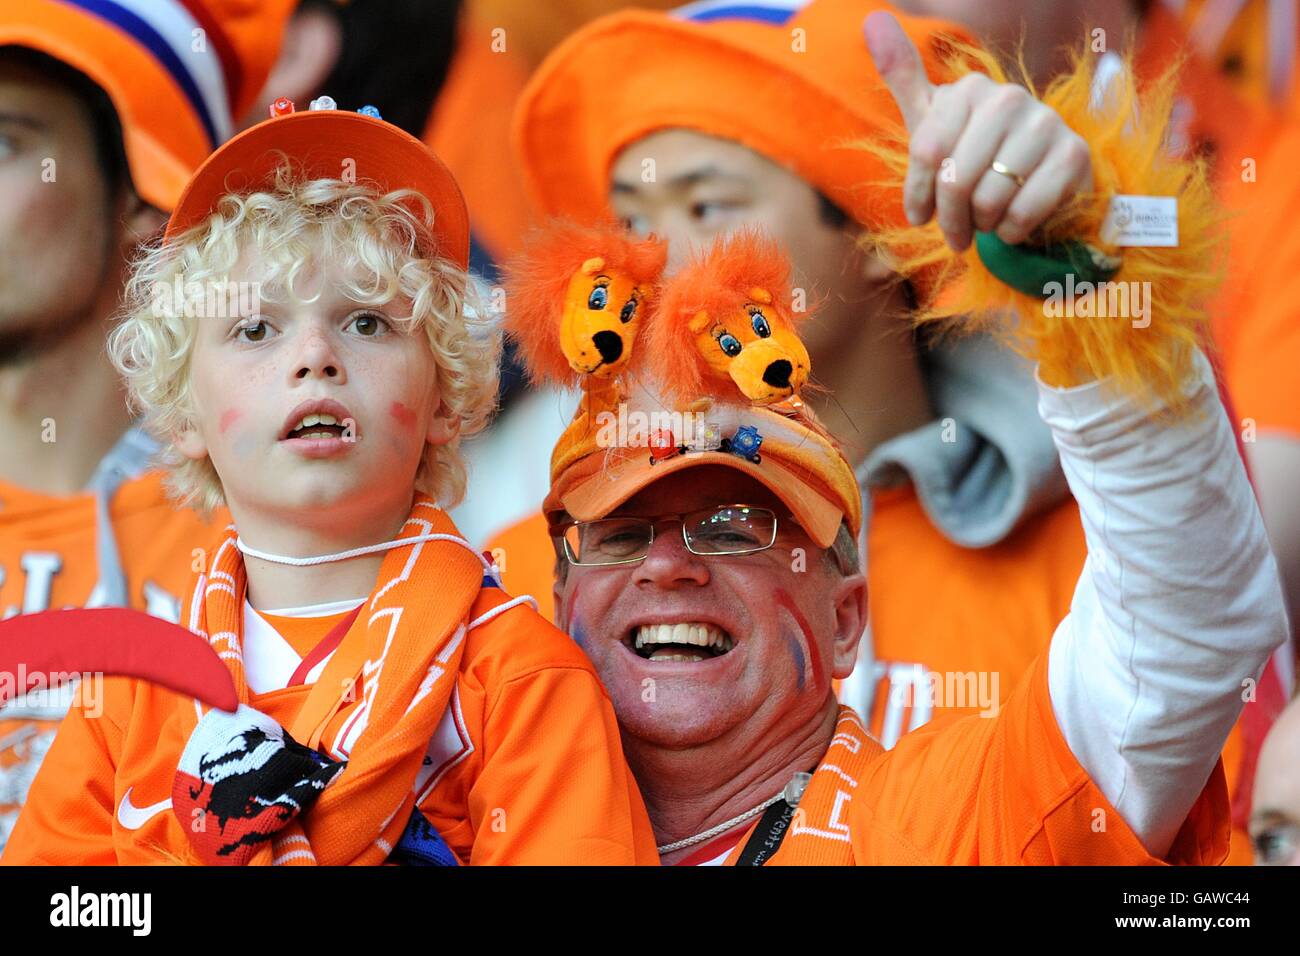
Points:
(1003, 170)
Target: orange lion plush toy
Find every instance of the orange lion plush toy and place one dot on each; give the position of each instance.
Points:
(575, 298)
(724, 327)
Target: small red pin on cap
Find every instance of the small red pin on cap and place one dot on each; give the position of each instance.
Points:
(282, 107)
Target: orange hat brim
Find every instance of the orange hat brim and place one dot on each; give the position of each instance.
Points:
(329, 144)
(589, 496)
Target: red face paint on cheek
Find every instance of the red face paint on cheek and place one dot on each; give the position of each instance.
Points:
(814, 653)
(228, 418)
(403, 415)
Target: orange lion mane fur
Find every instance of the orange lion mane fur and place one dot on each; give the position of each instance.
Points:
(718, 282)
(1127, 137)
(537, 279)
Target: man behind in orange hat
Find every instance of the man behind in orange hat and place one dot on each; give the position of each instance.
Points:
(718, 590)
(396, 705)
(747, 118)
(105, 110)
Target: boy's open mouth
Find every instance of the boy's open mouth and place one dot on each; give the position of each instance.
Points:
(318, 426)
(686, 642)
(319, 419)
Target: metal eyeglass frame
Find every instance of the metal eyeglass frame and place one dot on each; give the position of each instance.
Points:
(652, 521)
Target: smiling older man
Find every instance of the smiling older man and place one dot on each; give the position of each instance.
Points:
(718, 596)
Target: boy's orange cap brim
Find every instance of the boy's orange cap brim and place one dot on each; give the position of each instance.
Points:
(799, 93)
(162, 134)
(329, 144)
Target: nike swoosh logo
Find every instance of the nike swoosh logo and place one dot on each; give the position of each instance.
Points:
(133, 817)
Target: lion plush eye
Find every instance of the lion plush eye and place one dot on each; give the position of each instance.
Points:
(599, 296)
(759, 321)
(729, 344)
(629, 310)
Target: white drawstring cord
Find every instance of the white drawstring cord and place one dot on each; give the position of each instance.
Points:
(357, 552)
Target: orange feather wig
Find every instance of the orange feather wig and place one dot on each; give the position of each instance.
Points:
(1126, 129)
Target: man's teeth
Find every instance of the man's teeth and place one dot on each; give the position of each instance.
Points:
(702, 635)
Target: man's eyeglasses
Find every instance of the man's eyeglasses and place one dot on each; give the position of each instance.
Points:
(729, 529)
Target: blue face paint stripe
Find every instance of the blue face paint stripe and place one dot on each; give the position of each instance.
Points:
(796, 651)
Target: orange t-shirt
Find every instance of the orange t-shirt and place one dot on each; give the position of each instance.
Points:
(526, 766)
(977, 791)
(1256, 319)
(938, 608)
(48, 561)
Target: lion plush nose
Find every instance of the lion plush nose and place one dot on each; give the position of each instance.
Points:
(777, 374)
(610, 346)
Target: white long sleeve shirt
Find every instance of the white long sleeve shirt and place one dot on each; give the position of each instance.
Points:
(1177, 608)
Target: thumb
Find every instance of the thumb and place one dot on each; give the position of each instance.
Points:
(900, 66)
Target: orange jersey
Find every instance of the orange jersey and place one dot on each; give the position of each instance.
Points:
(49, 560)
(48, 548)
(526, 766)
(473, 109)
(973, 791)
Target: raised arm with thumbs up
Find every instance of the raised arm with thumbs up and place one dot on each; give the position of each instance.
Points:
(984, 155)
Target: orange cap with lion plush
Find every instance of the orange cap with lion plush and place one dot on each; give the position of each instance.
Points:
(792, 81)
(179, 72)
(712, 377)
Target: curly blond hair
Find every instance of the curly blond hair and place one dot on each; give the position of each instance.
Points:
(386, 244)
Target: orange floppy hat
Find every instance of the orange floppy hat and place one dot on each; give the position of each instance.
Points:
(792, 81)
(177, 71)
(328, 144)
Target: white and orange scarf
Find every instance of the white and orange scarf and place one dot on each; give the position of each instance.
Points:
(244, 782)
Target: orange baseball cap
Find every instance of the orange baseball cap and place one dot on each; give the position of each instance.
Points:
(602, 461)
(792, 81)
(327, 144)
(177, 71)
